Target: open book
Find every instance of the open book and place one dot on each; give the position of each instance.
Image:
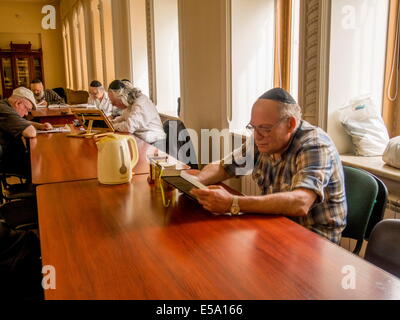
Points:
(182, 180)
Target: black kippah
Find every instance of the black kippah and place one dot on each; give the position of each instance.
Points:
(116, 85)
(95, 84)
(278, 94)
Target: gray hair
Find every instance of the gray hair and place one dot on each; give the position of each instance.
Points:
(128, 84)
(288, 110)
(127, 95)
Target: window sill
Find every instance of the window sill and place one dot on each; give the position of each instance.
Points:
(375, 165)
(169, 113)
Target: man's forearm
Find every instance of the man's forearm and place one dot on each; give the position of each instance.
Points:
(29, 132)
(294, 203)
(37, 125)
(212, 173)
(41, 126)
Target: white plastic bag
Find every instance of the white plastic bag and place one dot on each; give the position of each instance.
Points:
(392, 153)
(365, 126)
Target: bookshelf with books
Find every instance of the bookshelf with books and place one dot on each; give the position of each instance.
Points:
(19, 65)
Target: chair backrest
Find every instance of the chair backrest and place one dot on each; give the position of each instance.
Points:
(379, 208)
(383, 247)
(173, 128)
(77, 96)
(61, 92)
(361, 193)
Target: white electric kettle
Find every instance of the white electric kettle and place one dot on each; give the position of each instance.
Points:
(117, 156)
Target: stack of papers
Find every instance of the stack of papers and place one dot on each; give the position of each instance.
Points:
(84, 105)
(66, 128)
(57, 106)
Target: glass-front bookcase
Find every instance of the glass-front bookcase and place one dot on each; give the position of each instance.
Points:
(19, 65)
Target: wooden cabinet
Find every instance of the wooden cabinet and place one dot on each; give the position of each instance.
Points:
(19, 65)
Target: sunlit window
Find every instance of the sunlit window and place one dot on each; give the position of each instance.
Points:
(96, 41)
(252, 56)
(82, 48)
(166, 55)
(66, 54)
(140, 69)
(294, 62)
(357, 57)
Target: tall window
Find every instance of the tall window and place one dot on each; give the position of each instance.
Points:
(166, 55)
(76, 50)
(294, 56)
(357, 57)
(68, 55)
(67, 58)
(96, 40)
(82, 48)
(252, 56)
(140, 70)
(107, 46)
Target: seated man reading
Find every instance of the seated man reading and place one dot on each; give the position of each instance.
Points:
(44, 97)
(99, 98)
(296, 165)
(13, 126)
(138, 113)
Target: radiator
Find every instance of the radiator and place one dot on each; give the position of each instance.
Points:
(393, 208)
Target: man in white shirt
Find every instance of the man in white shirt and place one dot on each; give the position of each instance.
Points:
(139, 114)
(99, 98)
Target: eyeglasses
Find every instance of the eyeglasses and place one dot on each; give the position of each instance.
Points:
(27, 104)
(263, 129)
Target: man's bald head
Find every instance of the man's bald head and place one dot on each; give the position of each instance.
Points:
(284, 102)
(278, 94)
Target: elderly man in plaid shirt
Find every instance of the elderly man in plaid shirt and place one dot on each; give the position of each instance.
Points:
(296, 165)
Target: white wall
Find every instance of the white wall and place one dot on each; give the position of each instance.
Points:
(357, 58)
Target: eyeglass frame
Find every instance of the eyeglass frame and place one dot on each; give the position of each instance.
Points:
(260, 127)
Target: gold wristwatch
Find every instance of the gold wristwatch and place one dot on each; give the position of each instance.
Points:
(235, 209)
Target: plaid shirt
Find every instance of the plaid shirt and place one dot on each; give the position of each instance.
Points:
(51, 97)
(310, 161)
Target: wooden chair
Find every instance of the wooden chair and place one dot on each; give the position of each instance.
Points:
(77, 96)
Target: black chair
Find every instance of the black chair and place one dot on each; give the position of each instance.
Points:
(362, 194)
(61, 92)
(20, 265)
(378, 211)
(20, 214)
(18, 190)
(173, 128)
(383, 247)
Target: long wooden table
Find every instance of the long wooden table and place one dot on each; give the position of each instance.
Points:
(119, 242)
(58, 158)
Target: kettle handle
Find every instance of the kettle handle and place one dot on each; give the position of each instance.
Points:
(133, 150)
